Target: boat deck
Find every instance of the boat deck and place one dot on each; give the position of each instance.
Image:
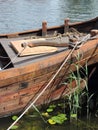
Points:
(18, 61)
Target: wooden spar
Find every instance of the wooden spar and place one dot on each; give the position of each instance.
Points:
(46, 43)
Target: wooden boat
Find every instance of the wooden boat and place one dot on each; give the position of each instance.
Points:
(36, 63)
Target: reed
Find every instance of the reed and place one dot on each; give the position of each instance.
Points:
(75, 97)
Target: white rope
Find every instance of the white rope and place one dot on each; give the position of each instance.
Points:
(13, 59)
(32, 104)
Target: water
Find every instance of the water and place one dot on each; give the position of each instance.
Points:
(19, 15)
(34, 121)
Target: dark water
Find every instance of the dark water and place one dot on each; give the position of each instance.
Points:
(35, 122)
(19, 15)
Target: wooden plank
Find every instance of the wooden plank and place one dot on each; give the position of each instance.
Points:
(17, 45)
(24, 60)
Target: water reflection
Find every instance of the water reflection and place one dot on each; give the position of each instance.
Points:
(78, 10)
(16, 15)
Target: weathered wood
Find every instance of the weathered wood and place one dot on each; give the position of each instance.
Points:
(15, 101)
(47, 43)
(34, 50)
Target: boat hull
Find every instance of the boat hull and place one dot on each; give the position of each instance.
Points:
(20, 86)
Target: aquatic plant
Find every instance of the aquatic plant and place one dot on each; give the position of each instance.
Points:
(15, 126)
(58, 119)
(54, 114)
(51, 108)
(14, 118)
(75, 97)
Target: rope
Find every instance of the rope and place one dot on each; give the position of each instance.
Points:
(32, 104)
(3, 57)
(13, 59)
